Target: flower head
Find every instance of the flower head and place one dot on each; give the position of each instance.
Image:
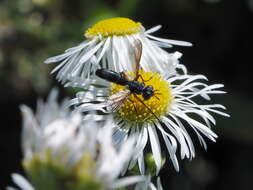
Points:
(168, 110)
(108, 45)
(64, 150)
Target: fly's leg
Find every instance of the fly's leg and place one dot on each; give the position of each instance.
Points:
(147, 107)
(156, 97)
(157, 93)
(143, 80)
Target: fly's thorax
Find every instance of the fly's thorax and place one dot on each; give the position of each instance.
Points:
(135, 87)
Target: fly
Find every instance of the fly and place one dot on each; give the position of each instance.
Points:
(133, 86)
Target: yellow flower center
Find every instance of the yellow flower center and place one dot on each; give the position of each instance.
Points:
(133, 111)
(114, 27)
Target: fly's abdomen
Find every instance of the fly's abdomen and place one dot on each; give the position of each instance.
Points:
(111, 76)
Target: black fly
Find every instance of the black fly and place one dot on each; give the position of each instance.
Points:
(133, 85)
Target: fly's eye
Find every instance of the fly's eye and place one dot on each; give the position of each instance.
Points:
(148, 92)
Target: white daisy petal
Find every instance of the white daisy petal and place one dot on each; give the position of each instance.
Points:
(155, 146)
(90, 53)
(11, 188)
(141, 163)
(68, 52)
(22, 182)
(105, 48)
(126, 181)
(170, 148)
(153, 29)
(173, 42)
(148, 185)
(159, 184)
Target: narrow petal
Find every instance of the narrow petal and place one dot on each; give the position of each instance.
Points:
(126, 181)
(173, 42)
(153, 29)
(159, 184)
(21, 182)
(141, 163)
(155, 146)
(90, 53)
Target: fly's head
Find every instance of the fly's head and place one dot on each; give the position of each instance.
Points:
(148, 92)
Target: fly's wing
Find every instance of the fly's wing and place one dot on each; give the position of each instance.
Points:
(127, 77)
(137, 55)
(115, 101)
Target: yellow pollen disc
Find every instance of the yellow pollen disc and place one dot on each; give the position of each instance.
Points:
(133, 111)
(114, 27)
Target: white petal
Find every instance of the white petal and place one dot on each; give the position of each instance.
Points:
(204, 129)
(153, 29)
(123, 182)
(105, 48)
(171, 152)
(90, 53)
(159, 185)
(21, 182)
(155, 146)
(142, 140)
(173, 42)
(11, 188)
(141, 163)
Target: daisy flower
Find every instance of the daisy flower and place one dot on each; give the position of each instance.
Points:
(108, 44)
(170, 111)
(63, 151)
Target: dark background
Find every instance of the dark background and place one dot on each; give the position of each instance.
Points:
(222, 34)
